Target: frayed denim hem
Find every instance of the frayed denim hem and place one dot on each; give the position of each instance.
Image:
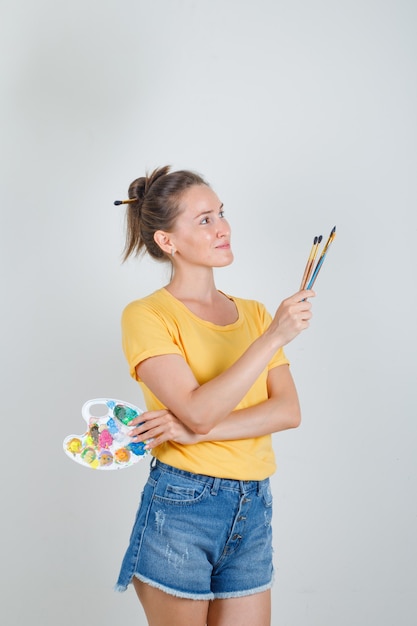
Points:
(197, 596)
(241, 594)
(168, 590)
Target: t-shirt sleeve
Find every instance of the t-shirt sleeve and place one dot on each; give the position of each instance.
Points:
(279, 357)
(145, 334)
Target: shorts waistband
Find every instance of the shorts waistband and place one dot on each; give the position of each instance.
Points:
(241, 486)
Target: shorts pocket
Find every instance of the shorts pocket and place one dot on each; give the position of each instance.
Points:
(179, 493)
(180, 490)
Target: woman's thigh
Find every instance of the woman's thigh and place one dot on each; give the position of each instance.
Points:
(253, 610)
(163, 609)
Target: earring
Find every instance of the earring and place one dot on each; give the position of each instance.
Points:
(172, 251)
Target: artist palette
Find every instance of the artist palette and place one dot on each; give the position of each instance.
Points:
(106, 445)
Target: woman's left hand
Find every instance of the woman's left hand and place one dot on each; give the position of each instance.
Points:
(156, 427)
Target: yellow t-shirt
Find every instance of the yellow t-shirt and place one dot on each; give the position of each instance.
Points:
(161, 324)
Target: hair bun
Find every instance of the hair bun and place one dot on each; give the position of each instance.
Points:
(137, 189)
(140, 187)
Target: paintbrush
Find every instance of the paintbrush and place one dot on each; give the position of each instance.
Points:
(321, 259)
(128, 201)
(310, 261)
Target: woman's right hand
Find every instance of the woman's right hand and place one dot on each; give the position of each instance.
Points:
(292, 317)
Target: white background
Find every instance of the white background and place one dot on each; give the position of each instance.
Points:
(302, 115)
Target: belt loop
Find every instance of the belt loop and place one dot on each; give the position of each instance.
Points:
(259, 489)
(215, 486)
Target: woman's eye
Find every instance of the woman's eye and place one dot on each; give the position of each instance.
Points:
(204, 220)
(221, 214)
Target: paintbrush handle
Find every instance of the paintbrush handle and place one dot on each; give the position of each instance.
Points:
(310, 261)
(307, 273)
(316, 271)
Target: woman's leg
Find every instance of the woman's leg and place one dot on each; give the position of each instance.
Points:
(254, 610)
(163, 609)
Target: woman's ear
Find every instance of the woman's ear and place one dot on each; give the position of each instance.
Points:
(163, 240)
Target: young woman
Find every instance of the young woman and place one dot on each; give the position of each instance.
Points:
(216, 384)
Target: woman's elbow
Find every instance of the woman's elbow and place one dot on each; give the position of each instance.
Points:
(200, 429)
(295, 416)
(296, 420)
(198, 425)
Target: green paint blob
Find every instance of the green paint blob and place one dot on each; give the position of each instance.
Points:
(124, 414)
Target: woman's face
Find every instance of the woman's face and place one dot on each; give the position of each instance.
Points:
(201, 235)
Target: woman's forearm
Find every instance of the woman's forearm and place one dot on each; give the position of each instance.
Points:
(280, 411)
(201, 407)
(268, 417)
(216, 399)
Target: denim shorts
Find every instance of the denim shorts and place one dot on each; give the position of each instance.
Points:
(201, 537)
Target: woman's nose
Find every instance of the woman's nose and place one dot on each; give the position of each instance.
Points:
(223, 228)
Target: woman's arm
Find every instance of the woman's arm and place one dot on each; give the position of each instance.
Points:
(280, 412)
(202, 407)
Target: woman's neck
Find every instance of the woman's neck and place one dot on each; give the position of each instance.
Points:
(199, 294)
(198, 285)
